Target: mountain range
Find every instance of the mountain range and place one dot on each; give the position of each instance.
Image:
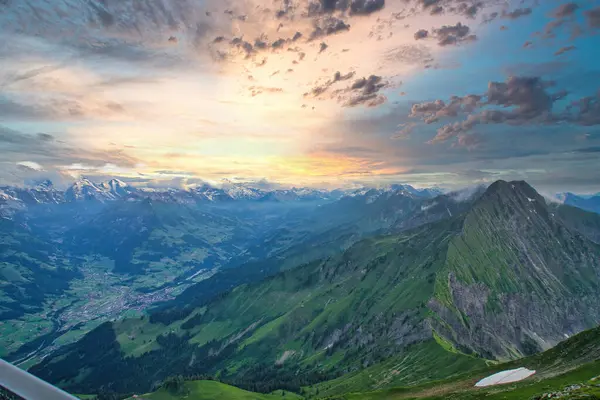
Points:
(139, 247)
(115, 189)
(588, 203)
(414, 289)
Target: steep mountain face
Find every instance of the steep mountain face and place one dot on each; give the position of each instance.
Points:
(516, 279)
(502, 279)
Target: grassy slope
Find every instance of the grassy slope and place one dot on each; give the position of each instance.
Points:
(423, 362)
(211, 390)
(464, 390)
(574, 361)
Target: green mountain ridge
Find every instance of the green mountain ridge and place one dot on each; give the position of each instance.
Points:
(570, 368)
(513, 254)
(504, 279)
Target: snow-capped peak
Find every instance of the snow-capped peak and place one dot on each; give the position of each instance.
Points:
(116, 187)
(46, 184)
(84, 189)
(240, 192)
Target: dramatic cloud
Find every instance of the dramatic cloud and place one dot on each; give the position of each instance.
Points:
(527, 100)
(469, 141)
(328, 26)
(528, 95)
(565, 10)
(214, 89)
(469, 10)
(256, 90)
(22, 76)
(421, 34)
(405, 130)
(366, 7)
(337, 77)
(449, 35)
(593, 18)
(563, 50)
(59, 108)
(487, 18)
(30, 165)
(42, 149)
(564, 17)
(363, 91)
(356, 7)
(431, 112)
(517, 13)
(586, 111)
(409, 54)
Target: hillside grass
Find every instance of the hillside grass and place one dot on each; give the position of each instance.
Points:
(573, 361)
(464, 389)
(212, 390)
(428, 361)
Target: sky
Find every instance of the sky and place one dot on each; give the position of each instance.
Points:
(320, 93)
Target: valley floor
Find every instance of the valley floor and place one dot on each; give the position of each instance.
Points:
(99, 296)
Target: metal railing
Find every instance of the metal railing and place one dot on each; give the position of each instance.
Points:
(27, 386)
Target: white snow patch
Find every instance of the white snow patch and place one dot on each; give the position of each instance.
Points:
(508, 376)
(530, 200)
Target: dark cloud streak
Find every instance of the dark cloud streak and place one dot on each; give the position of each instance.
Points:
(517, 13)
(522, 100)
(593, 18)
